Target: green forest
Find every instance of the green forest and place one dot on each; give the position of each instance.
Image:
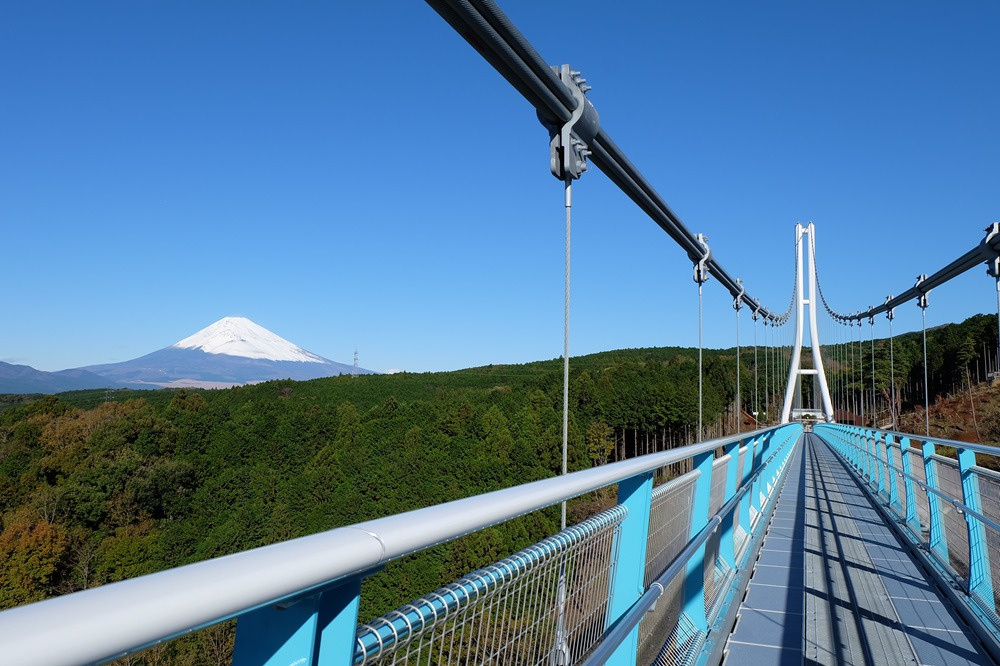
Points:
(99, 486)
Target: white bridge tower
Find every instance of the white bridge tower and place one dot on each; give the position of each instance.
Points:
(796, 372)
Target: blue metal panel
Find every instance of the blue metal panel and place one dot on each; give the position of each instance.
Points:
(694, 581)
(627, 585)
(277, 636)
(318, 629)
(937, 543)
(910, 510)
(339, 624)
(980, 578)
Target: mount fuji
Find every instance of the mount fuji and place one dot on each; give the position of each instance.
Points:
(232, 351)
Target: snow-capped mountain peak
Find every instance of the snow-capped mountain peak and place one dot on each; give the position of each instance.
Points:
(238, 336)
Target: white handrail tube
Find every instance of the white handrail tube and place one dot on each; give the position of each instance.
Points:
(115, 619)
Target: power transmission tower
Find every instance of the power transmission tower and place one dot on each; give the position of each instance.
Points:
(354, 372)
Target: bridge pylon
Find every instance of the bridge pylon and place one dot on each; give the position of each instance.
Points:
(795, 371)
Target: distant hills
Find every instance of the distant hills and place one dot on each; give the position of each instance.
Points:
(230, 352)
(25, 379)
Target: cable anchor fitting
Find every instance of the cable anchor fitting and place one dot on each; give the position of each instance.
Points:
(738, 301)
(569, 142)
(993, 261)
(922, 299)
(871, 317)
(890, 314)
(701, 265)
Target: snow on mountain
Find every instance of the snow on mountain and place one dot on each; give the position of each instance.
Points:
(238, 336)
(232, 351)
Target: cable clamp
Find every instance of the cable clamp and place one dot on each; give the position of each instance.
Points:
(738, 301)
(993, 262)
(922, 300)
(569, 143)
(890, 314)
(701, 266)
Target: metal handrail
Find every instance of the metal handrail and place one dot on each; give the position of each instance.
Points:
(953, 443)
(655, 590)
(149, 609)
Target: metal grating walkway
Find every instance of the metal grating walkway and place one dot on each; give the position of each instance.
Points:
(833, 585)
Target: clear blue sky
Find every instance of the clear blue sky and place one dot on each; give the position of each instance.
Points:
(355, 175)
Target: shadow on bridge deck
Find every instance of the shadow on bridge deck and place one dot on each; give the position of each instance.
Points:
(833, 585)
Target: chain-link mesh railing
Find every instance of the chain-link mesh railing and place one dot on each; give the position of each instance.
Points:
(971, 534)
(547, 599)
(989, 494)
(955, 528)
(669, 530)
(716, 571)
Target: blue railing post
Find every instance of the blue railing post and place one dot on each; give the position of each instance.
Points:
(893, 481)
(881, 468)
(910, 499)
(937, 542)
(727, 549)
(854, 447)
(870, 466)
(318, 629)
(694, 580)
(628, 583)
(862, 447)
(980, 577)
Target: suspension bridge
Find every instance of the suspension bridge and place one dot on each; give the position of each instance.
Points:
(805, 541)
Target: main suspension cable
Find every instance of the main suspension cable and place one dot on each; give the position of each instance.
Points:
(490, 32)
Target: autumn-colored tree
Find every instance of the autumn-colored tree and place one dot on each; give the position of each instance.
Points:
(34, 553)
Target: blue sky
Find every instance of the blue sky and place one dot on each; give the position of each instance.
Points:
(355, 175)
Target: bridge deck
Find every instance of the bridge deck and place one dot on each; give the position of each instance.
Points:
(833, 585)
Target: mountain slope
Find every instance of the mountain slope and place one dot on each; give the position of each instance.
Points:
(233, 350)
(25, 379)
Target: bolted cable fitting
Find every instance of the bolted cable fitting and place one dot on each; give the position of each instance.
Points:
(701, 266)
(569, 143)
(922, 300)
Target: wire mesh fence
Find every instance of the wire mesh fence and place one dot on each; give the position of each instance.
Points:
(956, 530)
(546, 603)
(669, 529)
(963, 525)
(989, 494)
(919, 493)
(716, 571)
